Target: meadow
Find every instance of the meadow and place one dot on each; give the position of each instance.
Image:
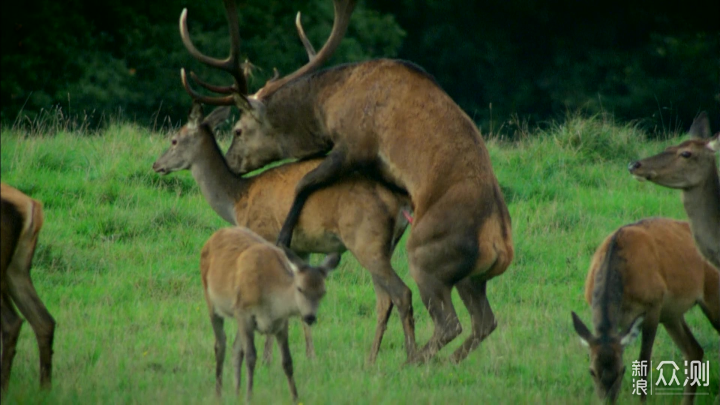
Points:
(118, 267)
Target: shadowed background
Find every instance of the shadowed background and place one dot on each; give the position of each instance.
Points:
(500, 60)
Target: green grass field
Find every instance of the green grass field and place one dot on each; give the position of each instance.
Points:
(118, 267)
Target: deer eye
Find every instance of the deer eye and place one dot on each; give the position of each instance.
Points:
(300, 290)
(592, 372)
(174, 142)
(686, 154)
(238, 132)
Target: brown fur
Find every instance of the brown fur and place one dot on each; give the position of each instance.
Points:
(391, 121)
(246, 278)
(692, 167)
(650, 273)
(354, 214)
(22, 219)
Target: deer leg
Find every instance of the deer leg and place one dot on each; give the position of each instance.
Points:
(268, 349)
(388, 286)
(691, 350)
(10, 324)
(383, 307)
(649, 330)
(309, 346)
(246, 337)
(282, 338)
(435, 294)
(331, 169)
(219, 331)
(710, 303)
(238, 356)
(473, 292)
(29, 304)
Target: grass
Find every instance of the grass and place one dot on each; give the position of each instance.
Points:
(117, 266)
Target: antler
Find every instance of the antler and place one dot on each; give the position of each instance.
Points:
(226, 100)
(343, 10)
(306, 42)
(230, 65)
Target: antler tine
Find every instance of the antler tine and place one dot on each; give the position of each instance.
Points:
(232, 63)
(212, 87)
(343, 11)
(227, 100)
(305, 41)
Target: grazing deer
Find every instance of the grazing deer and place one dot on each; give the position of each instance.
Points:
(356, 214)
(391, 121)
(22, 218)
(692, 167)
(246, 278)
(643, 274)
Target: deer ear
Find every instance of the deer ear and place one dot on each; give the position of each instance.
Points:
(242, 102)
(195, 117)
(293, 258)
(714, 143)
(700, 127)
(330, 262)
(217, 116)
(632, 332)
(582, 330)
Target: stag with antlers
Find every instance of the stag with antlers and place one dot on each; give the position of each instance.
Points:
(391, 121)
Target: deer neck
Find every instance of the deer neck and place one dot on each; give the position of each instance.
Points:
(297, 112)
(218, 184)
(702, 204)
(608, 291)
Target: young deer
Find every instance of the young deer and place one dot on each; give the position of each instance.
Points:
(391, 121)
(246, 278)
(692, 167)
(643, 274)
(356, 214)
(22, 218)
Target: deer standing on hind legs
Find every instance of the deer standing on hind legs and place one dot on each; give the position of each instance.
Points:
(641, 275)
(22, 218)
(692, 167)
(355, 214)
(259, 285)
(391, 121)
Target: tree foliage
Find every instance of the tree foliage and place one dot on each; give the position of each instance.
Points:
(640, 60)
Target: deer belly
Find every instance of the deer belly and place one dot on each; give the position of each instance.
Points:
(316, 242)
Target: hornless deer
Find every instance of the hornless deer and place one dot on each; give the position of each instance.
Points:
(22, 218)
(356, 214)
(390, 120)
(246, 278)
(692, 167)
(643, 274)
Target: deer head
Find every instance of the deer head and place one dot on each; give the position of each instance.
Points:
(685, 165)
(256, 133)
(186, 143)
(309, 282)
(606, 350)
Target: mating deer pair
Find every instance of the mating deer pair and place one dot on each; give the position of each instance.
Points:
(390, 120)
(22, 219)
(356, 214)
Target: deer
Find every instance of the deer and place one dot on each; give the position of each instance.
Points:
(691, 167)
(261, 286)
(390, 121)
(355, 214)
(642, 275)
(22, 218)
